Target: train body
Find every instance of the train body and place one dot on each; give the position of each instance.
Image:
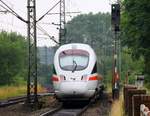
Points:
(75, 76)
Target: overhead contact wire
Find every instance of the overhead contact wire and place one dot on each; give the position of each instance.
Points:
(48, 11)
(44, 31)
(13, 12)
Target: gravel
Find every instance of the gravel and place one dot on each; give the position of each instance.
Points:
(22, 110)
(101, 107)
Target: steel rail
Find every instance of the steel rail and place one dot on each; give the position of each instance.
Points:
(61, 111)
(19, 99)
(50, 112)
(12, 101)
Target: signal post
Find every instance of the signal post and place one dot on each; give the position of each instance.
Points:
(115, 20)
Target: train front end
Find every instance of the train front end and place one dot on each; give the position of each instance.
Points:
(75, 75)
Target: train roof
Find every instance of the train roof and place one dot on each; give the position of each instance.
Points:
(75, 46)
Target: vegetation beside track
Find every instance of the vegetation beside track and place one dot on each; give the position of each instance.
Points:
(13, 59)
(117, 107)
(13, 91)
(135, 32)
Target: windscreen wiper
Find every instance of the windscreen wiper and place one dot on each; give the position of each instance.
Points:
(75, 67)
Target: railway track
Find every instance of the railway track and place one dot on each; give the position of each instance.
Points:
(69, 110)
(20, 99)
(12, 101)
(52, 107)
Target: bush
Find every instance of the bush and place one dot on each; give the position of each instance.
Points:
(13, 54)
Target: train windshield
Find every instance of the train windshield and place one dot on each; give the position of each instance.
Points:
(74, 60)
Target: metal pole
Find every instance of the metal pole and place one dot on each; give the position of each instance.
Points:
(62, 21)
(119, 56)
(35, 47)
(115, 78)
(28, 34)
(32, 65)
(119, 51)
(116, 64)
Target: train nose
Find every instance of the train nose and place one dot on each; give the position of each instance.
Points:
(73, 88)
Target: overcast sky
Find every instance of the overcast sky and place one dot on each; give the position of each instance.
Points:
(11, 23)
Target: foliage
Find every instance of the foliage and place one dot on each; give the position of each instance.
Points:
(95, 30)
(131, 66)
(13, 58)
(136, 26)
(6, 91)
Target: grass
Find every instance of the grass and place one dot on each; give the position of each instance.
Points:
(109, 88)
(117, 107)
(13, 91)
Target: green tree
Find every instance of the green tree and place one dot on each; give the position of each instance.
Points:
(90, 28)
(13, 54)
(136, 26)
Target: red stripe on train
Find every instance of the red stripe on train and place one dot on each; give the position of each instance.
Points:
(55, 78)
(93, 78)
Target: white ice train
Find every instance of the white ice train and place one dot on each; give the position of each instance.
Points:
(75, 73)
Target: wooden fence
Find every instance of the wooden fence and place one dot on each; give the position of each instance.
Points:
(133, 98)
